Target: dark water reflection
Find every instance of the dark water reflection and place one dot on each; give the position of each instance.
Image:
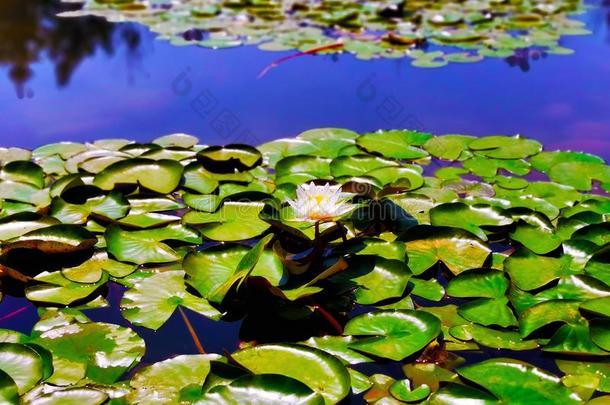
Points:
(33, 34)
(120, 82)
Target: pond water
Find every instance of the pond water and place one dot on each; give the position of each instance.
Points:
(85, 79)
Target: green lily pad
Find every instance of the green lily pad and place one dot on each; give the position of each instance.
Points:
(300, 169)
(401, 390)
(374, 278)
(486, 167)
(179, 140)
(100, 352)
(396, 144)
(448, 147)
(274, 151)
(357, 165)
(537, 234)
(72, 396)
(598, 369)
(458, 250)
(263, 389)
(54, 239)
(544, 161)
(152, 300)
(492, 338)
(23, 364)
(151, 383)
(19, 224)
(505, 147)
(492, 308)
(580, 175)
(230, 158)
(519, 382)
(320, 371)
(529, 271)
(452, 394)
(471, 218)
(234, 221)
(338, 346)
(58, 289)
(9, 392)
(146, 246)
(209, 269)
(162, 176)
(393, 335)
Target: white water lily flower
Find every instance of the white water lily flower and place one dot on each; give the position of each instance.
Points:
(320, 203)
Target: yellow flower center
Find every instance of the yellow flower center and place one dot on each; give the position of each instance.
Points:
(319, 198)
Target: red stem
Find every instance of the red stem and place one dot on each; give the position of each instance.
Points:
(329, 318)
(14, 313)
(191, 330)
(312, 51)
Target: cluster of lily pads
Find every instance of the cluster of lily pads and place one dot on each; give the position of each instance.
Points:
(431, 32)
(454, 245)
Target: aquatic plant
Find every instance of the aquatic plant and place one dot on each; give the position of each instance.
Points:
(441, 246)
(432, 33)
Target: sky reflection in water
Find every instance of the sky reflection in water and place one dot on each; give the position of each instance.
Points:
(94, 80)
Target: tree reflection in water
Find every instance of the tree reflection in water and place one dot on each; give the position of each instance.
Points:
(31, 32)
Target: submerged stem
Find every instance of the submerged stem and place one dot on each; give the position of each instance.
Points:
(330, 319)
(191, 330)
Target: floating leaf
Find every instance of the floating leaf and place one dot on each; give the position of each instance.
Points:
(146, 246)
(209, 269)
(320, 371)
(229, 158)
(458, 250)
(393, 335)
(232, 222)
(396, 144)
(263, 389)
(151, 383)
(101, 352)
(510, 379)
(468, 217)
(162, 176)
(154, 299)
(23, 365)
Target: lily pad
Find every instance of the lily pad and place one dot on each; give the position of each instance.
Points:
(151, 383)
(263, 389)
(154, 299)
(162, 176)
(458, 250)
(234, 221)
(519, 382)
(320, 371)
(393, 335)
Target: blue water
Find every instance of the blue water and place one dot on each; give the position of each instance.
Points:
(147, 88)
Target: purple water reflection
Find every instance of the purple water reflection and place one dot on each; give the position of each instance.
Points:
(560, 100)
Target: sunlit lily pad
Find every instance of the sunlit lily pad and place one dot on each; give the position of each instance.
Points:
(162, 176)
(154, 299)
(263, 389)
(458, 250)
(393, 334)
(320, 371)
(510, 379)
(146, 246)
(151, 383)
(232, 222)
(101, 352)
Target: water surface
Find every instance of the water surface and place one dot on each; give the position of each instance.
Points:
(88, 79)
